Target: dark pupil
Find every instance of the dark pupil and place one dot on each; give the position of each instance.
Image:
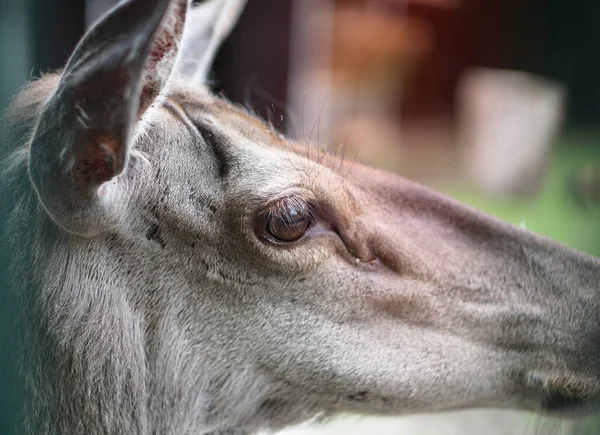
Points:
(288, 222)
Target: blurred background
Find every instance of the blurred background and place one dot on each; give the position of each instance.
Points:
(495, 102)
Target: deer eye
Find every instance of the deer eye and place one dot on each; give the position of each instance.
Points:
(288, 220)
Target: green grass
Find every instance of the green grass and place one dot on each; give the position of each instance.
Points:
(555, 212)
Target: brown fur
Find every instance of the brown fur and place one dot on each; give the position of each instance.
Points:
(168, 310)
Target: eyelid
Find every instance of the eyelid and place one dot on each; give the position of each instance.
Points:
(296, 192)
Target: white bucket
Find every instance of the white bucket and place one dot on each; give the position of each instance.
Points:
(508, 121)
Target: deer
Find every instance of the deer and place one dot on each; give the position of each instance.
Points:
(182, 267)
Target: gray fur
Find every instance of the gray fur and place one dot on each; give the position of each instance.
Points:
(170, 315)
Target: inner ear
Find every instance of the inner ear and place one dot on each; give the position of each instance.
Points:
(163, 55)
(83, 137)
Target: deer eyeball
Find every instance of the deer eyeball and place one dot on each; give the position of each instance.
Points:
(287, 220)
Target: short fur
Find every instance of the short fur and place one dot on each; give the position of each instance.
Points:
(169, 312)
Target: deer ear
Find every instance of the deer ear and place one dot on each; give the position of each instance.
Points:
(82, 139)
(207, 26)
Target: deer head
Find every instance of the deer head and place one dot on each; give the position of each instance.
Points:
(192, 270)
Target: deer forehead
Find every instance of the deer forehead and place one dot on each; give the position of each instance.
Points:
(263, 162)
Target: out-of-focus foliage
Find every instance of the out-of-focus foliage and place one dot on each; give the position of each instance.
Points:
(568, 206)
